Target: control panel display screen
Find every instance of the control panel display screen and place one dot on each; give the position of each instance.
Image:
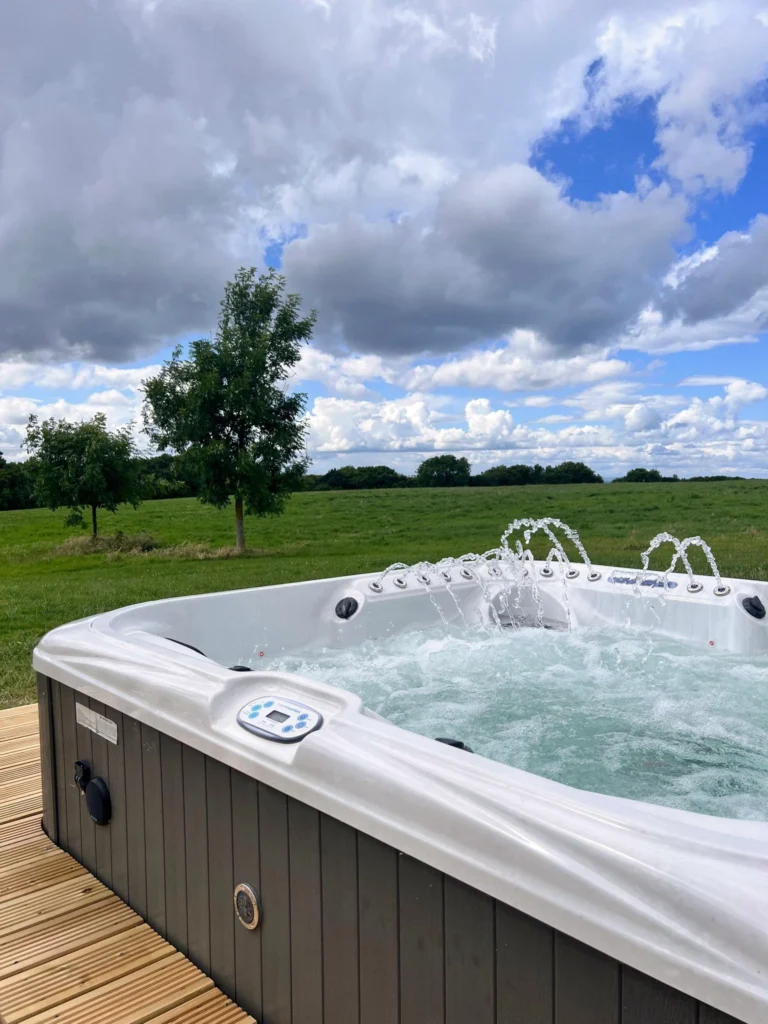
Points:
(278, 716)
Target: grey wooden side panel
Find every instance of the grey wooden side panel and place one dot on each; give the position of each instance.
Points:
(525, 968)
(119, 825)
(174, 843)
(276, 904)
(709, 1015)
(87, 827)
(422, 955)
(59, 763)
(306, 914)
(247, 868)
(45, 724)
(644, 999)
(134, 816)
(154, 839)
(470, 955)
(221, 883)
(74, 838)
(197, 879)
(100, 769)
(341, 993)
(586, 984)
(377, 878)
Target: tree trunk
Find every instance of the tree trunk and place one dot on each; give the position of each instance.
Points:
(239, 525)
(93, 520)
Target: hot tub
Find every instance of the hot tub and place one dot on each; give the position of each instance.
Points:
(322, 864)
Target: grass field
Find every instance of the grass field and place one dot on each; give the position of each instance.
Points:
(333, 533)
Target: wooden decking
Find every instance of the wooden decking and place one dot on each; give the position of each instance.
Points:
(71, 952)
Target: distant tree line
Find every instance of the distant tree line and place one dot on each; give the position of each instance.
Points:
(176, 476)
(448, 471)
(653, 476)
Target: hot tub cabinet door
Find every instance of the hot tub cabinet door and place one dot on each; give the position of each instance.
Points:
(350, 931)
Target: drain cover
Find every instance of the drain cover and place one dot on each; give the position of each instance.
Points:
(247, 906)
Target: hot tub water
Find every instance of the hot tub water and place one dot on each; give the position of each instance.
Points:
(615, 711)
(607, 710)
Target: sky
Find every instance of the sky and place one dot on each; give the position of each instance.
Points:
(533, 230)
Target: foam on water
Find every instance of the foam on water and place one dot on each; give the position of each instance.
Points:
(605, 710)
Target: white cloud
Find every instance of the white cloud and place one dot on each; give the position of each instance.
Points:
(701, 60)
(16, 373)
(707, 381)
(503, 250)
(525, 362)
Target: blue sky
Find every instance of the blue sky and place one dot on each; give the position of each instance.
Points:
(530, 235)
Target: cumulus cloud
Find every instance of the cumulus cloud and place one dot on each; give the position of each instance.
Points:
(728, 281)
(701, 61)
(525, 362)
(504, 250)
(15, 373)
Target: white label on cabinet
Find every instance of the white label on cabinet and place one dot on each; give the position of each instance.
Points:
(97, 723)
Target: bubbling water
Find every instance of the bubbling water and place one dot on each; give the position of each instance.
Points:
(614, 711)
(606, 710)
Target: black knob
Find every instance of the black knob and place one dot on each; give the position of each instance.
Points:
(346, 607)
(754, 607)
(99, 802)
(82, 774)
(239, 668)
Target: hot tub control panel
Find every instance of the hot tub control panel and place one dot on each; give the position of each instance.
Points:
(276, 718)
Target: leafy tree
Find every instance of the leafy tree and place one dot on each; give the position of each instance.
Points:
(443, 471)
(342, 479)
(165, 476)
(16, 489)
(571, 473)
(641, 476)
(82, 465)
(372, 477)
(505, 476)
(226, 407)
(349, 478)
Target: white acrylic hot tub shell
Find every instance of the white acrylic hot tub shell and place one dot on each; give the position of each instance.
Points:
(680, 896)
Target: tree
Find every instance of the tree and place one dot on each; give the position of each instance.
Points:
(642, 476)
(571, 473)
(164, 476)
(357, 478)
(505, 476)
(16, 489)
(82, 465)
(373, 477)
(227, 407)
(443, 471)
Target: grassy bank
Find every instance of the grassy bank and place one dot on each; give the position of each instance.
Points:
(47, 580)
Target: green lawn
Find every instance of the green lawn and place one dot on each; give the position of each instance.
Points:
(333, 533)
